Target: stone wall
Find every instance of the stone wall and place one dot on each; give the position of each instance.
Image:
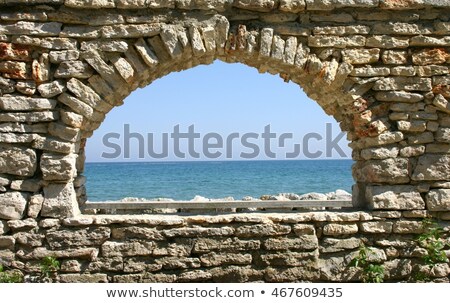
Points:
(313, 246)
(380, 67)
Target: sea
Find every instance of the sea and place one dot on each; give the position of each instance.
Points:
(214, 179)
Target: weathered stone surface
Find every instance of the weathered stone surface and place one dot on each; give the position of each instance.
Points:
(34, 117)
(25, 104)
(194, 232)
(59, 201)
(334, 229)
(17, 161)
(394, 197)
(306, 242)
(331, 245)
(343, 42)
(52, 89)
(379, 153)
(83, 278)
(333, 4)
(394, 57)
(76, 69)
(388, 42)
(398, 96)
(64, 132)
(361, 56)
(442, 104)
(126, 249)
(35, 205)
(215, 259)
(262, 230)
(136, 232)
(438, 200)
(231, 244)
(432, 167)
(408, 227)
(430, 56)
(394, 171)
(76, 238)
(64, 55)
(376, 227)
(31, 185)
(403, 83)
(13, 205)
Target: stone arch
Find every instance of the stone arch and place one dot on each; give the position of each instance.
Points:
(380, 67)
(385, 82)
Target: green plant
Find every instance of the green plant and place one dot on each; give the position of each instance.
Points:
(49, 267)
(371, 273)
(10, 276)
(432, 240)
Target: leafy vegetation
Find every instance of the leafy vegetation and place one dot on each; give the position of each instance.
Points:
(10, 276)
(432, 239)
(49, 267)
(371, 272)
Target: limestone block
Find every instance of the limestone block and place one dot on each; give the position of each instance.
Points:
(52, 89)
(59, 201)
(64, 55)
(334, 229)
(438, 200)
(17, 161)
(403, 83)
(13, 205)
(378, 227)
(73, 69)
(394, 197)
(398, 96)
(393, 171)
(93, 236)
(432, 167)
(35, 205)
(16, 103)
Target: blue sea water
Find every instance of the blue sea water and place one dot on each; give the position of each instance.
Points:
(215, 179)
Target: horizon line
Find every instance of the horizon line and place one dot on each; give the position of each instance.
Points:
(220, 160)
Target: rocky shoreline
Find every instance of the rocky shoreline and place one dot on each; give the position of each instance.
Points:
(336, 195)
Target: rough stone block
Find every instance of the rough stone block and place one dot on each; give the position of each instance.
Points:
(432, 167)
(13, 205)
(17, 161)
(378, 227)
(334, 229)
(404, 83)
(17, 103)
(401, 197)
(60, 201)
(438, 200)
(93, 236)
(261, 230)
(393, 170)
(221, 259)
(58, 167)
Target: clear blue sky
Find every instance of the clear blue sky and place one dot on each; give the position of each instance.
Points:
(222, 98)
